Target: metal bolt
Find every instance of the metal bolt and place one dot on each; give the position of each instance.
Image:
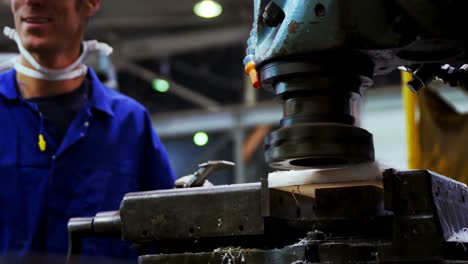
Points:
(273, 15)
(320, 10)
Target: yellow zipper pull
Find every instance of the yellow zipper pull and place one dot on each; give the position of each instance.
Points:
(42, 143)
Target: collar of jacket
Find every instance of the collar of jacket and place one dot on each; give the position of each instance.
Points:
(99, 95)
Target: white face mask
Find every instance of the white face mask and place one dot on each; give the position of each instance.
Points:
(76, 69)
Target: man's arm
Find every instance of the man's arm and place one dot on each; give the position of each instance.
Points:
(156, 172)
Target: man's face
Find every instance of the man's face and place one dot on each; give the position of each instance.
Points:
(49, 25)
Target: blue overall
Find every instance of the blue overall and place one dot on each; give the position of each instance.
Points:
(109, 149)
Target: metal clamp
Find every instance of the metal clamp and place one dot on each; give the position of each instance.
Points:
(204, 171)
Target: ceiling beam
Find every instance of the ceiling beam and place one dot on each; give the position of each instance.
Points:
(188, 122)
(204, 73)
(175, 88)
(163, 46)
(143, 22)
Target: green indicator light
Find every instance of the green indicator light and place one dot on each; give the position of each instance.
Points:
(160, 85)
(200, 139)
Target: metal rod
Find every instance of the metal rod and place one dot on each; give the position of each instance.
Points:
(239, 135)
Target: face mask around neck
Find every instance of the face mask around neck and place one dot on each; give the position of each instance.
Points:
(38, 71)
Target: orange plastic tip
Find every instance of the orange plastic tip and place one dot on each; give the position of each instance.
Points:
(253, 74)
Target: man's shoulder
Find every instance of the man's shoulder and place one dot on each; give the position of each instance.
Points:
(120, 104)
(7, 82)
(111, 101)
(6, 73)
(123, 102)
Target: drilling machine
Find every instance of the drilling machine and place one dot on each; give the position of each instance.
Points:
(317, 57)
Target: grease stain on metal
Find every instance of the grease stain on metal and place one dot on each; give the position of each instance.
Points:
(293, 26)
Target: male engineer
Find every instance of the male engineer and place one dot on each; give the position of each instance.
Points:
(69, 146)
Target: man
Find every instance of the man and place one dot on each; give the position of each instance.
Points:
(69, 146)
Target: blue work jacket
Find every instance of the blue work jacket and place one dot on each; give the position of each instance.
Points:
(110, 149)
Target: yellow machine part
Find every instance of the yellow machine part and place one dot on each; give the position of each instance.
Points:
(437, 135)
